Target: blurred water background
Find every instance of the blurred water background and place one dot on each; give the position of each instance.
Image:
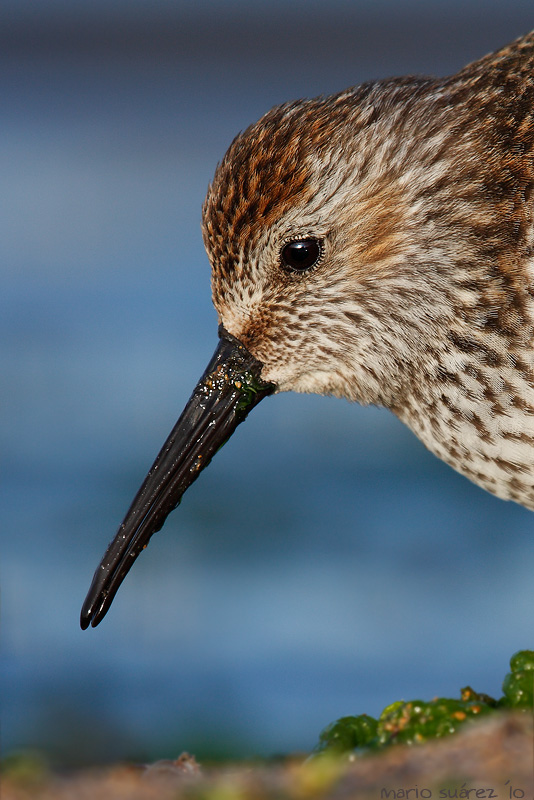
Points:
(325, 563)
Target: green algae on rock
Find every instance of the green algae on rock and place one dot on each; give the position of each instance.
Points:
(348, 733)
(418, 721)
(518, 685)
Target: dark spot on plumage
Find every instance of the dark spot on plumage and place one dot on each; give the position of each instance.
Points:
(480, 477)
(490, 321)
(448, 403)
(463, 343)
(489, 395)
(370, 371)
(497, 409)
(445, 376)
(482, 429)
(511, 467)
(353, 317)
(459, 453)
(518, 436)
(485, 354)
(474, 372)
(470, 284)
(523, 369)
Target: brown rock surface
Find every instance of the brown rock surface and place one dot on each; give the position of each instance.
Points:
(492, 758)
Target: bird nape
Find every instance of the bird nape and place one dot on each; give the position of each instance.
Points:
(377, 245)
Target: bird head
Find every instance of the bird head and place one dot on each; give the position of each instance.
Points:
(313, 227)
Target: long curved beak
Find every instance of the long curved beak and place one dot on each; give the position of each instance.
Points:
(229, 388)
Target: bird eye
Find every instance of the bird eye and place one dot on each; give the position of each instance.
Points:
(301, 254)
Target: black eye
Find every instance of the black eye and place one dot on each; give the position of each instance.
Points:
(301, 254)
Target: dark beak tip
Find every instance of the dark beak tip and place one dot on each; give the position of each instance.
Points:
(89, 618)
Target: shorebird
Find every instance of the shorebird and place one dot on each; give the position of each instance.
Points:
(378, 245)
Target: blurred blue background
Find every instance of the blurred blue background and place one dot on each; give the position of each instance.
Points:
(325, 563)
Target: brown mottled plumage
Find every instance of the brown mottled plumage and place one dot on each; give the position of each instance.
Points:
(376, 245)
(421, 191)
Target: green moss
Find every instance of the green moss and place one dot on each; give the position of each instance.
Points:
(419, 720)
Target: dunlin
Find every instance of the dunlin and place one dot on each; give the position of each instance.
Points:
(375, 245)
